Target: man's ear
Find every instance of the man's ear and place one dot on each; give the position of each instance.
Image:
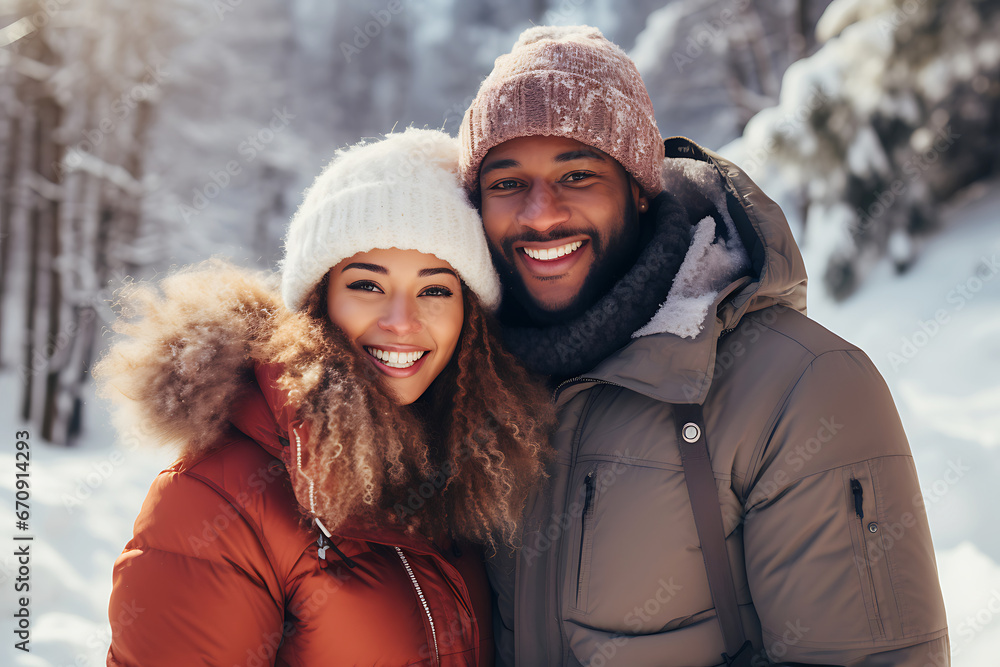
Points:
(641, 200)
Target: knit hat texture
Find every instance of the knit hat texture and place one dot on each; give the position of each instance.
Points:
(567, 82)
(399, 192)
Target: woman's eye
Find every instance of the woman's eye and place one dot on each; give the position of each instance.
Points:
(509, 184)
(437, 291)
(365, 286)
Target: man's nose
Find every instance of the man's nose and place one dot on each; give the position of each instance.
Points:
(401, 317)
(542, 209)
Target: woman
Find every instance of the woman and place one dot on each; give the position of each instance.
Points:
(345, 452)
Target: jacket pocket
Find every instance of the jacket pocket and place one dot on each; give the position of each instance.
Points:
(588, 499)
(866, 540)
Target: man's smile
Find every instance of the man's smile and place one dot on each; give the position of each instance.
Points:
(546, 261)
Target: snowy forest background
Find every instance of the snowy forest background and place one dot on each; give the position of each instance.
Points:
(138, 135)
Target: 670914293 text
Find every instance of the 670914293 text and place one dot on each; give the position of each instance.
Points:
(22, 542)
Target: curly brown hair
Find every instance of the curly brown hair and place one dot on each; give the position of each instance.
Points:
(459, 460)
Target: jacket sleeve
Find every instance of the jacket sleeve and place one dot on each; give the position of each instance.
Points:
(838, 551)
(193, 586)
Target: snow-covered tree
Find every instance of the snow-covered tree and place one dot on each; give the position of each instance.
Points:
(896, 112)
(80, 77)
(710, 66)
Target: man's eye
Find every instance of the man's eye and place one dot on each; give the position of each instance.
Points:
(577, 176)
(365, 286)
(509, 184)
(437, 291)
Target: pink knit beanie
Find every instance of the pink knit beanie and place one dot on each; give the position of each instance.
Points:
(565, 81)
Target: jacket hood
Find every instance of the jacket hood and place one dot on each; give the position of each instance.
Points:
(743, 258)
(184, 367)
(264, 413)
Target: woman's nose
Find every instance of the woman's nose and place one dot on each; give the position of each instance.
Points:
(401, 317)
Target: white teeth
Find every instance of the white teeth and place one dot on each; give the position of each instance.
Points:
(395, 359)
(546, 254)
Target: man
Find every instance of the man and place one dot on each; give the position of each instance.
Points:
(664, 295)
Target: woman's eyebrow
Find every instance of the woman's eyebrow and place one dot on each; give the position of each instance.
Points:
(424, 273)
(374, 268)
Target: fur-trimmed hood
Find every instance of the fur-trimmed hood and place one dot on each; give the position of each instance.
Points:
(188, 363)
(208, 354)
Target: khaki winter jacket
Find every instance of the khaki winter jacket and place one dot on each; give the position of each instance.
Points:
(826, 531)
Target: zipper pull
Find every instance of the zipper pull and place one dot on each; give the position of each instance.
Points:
(859, 495)
(589, 484)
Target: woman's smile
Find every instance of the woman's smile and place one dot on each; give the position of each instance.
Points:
(395, 363)
(404, 308)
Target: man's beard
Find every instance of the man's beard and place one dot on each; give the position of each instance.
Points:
(614, 255)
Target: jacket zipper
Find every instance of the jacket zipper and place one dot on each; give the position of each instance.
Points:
(588, 497)
(564, 650)
(423, 602)
(859, 494)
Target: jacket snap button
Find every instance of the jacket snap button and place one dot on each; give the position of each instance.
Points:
(691, 432)
(873, 527)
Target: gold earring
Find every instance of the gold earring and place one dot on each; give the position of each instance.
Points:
(643, 206)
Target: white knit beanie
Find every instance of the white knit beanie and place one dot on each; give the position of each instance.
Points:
(400, 192)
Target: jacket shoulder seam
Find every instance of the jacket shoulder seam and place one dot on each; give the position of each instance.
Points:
(234, 502)
(845, 346)
(782, 404)
(241, 509)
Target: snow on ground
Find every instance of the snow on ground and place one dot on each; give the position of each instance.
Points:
(934, 333)
(83, 503)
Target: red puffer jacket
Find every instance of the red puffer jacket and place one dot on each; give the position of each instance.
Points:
(221, 572)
